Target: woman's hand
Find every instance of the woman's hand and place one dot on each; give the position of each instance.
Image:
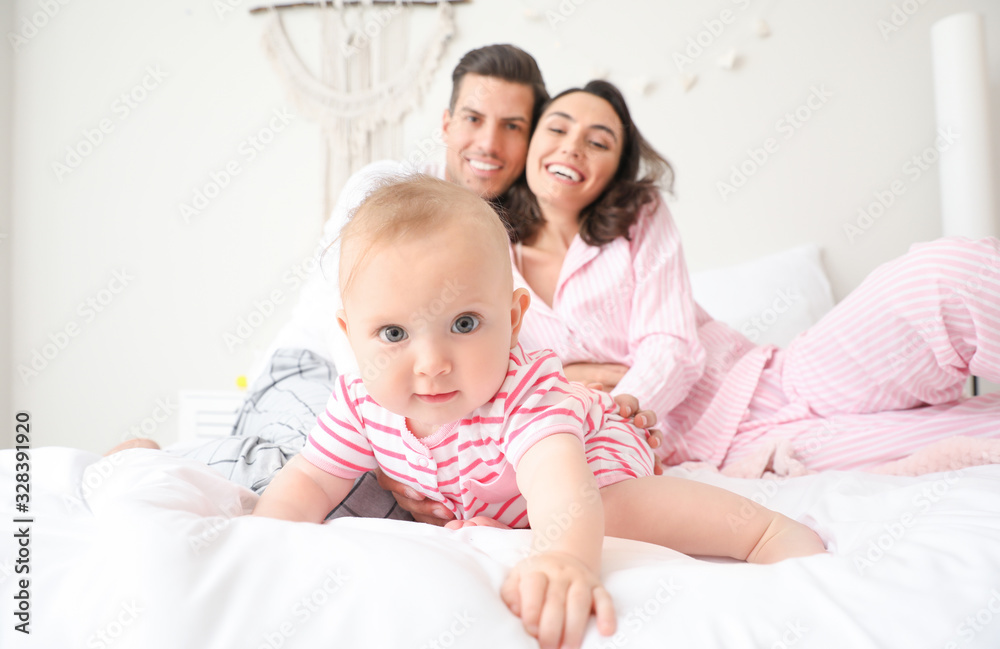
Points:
(606, 374)
(424, 510)
(628, 408)
(554, 593)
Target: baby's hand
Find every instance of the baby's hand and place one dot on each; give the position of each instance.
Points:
(554, 593)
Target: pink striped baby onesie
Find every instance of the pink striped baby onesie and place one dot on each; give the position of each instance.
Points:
(469, 465)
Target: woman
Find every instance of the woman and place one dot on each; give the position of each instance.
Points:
(879, 377)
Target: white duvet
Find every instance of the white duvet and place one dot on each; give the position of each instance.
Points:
(151, 551)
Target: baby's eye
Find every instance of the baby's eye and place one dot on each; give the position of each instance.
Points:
(465, 324)
(392, 334)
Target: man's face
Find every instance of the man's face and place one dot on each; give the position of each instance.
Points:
(487, 135)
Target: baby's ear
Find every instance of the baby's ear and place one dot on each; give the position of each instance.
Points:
(342, 321)
(518, 305)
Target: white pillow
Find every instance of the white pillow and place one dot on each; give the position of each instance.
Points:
(771, 299)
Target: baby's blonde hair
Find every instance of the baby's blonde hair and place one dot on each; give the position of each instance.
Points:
(412, 206)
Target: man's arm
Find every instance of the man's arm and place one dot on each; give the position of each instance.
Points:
(302, 491)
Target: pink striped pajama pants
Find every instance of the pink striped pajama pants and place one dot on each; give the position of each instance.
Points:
(882, 374)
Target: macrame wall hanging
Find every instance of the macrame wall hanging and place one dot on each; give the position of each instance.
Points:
(368, 79)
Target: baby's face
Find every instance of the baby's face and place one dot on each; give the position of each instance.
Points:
(431, 322)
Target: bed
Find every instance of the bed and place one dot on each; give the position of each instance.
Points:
(149, 550)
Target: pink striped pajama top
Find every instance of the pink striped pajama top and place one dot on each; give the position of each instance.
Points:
(630, 302)
(469, 465)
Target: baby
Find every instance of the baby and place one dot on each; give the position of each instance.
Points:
(449, 404)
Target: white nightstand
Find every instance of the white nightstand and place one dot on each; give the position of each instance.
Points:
(207, 414)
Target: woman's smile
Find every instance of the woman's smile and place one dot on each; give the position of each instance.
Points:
(564, 173)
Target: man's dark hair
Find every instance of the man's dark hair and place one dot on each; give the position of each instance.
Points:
(506, 62)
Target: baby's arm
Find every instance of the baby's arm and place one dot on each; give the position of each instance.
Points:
(301, 491)
(554, 590)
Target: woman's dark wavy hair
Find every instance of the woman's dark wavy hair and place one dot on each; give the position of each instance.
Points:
(612, 214)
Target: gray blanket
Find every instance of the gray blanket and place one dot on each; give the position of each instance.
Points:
(280, 410)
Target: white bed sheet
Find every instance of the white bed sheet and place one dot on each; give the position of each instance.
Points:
(149, 552)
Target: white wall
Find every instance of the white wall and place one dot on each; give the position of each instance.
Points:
(188, 283)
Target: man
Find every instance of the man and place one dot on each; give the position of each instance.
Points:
(497, 94)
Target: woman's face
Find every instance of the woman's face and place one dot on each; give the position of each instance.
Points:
(574, 152)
